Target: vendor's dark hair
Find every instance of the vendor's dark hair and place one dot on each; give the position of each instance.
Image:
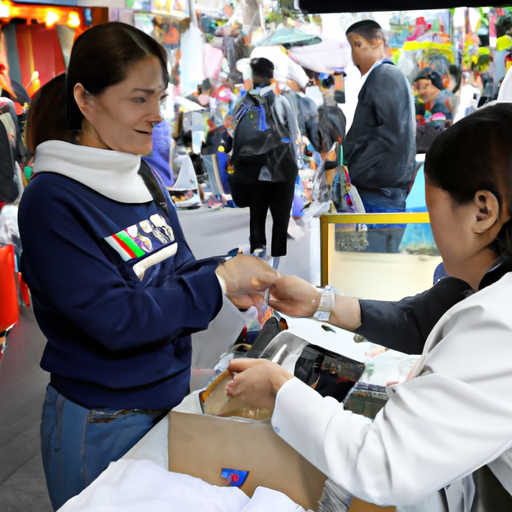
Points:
(476, 154)
(368, 29)
(101, 57)
(262, 68)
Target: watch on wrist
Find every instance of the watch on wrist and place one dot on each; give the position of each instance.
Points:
(327, 299)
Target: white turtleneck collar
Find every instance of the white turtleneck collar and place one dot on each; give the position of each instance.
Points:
(110, 173)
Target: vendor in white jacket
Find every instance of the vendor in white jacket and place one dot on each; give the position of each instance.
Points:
(454, 413)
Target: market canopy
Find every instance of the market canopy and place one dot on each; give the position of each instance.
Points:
(325, 6)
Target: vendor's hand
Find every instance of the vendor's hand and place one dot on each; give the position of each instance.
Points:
(246, 278)
(256, 382)
(293, 296)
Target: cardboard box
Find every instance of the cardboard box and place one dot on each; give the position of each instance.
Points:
(202, 446)
(363, 506)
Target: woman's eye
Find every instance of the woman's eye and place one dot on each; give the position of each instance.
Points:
(163, 98)
(140, 100)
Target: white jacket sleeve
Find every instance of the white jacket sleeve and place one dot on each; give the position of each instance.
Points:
(434, 430)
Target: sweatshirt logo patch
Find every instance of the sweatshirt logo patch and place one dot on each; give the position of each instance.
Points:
(142, 239)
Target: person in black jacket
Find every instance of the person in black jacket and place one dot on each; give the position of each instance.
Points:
(380, 145)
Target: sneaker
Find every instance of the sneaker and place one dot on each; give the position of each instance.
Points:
(261, 252)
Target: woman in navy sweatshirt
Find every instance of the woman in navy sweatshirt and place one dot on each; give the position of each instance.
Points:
(115, 287)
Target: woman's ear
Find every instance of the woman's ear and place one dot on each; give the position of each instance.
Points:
(83, 99)
(488, 211)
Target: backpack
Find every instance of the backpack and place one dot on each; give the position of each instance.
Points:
(326, 128)
(260, 141)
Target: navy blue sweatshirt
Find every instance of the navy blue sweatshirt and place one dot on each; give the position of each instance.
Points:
(114, 340)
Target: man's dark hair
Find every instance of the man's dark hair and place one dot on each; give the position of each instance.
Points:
(368, 29)
(262, 68)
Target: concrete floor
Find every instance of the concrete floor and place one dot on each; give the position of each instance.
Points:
(22, 388)
(23, 383)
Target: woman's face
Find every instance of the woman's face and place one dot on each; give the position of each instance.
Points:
(122, 116)
(451, 226)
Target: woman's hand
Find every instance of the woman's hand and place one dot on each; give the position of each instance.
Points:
(256, 382)
(246, 279)
(293, 296)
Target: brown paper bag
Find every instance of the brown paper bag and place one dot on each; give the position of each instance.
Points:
(201, 445)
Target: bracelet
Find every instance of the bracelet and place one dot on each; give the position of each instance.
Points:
(326, 305)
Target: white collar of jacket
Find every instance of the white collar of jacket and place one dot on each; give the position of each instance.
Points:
(110, 173)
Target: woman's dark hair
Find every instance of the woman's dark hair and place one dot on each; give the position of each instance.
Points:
(101, 57)
(46, 116)
(476, 154)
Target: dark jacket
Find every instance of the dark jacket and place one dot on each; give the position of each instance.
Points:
(404, 325)
(380, 145)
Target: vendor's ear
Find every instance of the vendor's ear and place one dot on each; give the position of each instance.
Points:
(83, 99)
(376, 42)
(488, 211)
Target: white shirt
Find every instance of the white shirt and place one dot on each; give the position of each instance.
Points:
(453, 417)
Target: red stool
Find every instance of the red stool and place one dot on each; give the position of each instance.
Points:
(9, 307)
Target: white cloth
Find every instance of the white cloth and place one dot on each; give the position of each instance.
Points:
(265, 499)
(329, 56)
(135, 485)
(453, 418)
(110, 173)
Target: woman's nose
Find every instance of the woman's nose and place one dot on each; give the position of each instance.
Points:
(156, 114)
(157, 118)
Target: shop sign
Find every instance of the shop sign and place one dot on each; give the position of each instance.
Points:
(72, 3)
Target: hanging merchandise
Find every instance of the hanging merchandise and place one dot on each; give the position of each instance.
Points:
(171, 6)
(36, 43)
(332, 185)
(191, 65)
(416, 55)
(185, 192)
(212, 61)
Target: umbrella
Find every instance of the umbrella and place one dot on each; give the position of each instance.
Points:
(289, 37)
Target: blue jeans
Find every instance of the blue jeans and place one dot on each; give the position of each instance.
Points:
(383, 238)
(78, 443)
